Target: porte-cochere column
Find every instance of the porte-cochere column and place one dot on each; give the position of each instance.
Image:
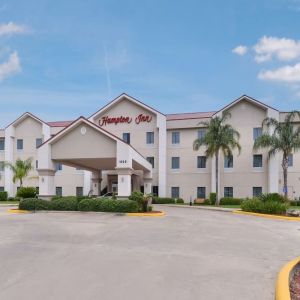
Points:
(124, 182)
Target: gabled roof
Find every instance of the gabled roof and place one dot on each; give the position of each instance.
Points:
(120, 98)
(59, 123)
(187, 116)
(23, 117)
(247, 98)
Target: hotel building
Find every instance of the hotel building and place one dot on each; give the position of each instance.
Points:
(128, 145)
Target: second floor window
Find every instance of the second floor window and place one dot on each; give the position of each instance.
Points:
(257, 132)
(228, 161)
(201, 134)
(58, 166)
(175, 163)
(38, 142)
(175, 137)
(1, 166)
(150, 137)
(2, 144)
(257, 161)
(19, 144)
(126, 137)
(151, 160)
(201, 162)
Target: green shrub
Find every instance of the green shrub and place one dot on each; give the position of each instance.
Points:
(295, 203)
(108, 205)
(65, 203)
(230, 201)
(150, 208)
(26, 192)
(212, 198)
(158, 200)
(138, 197)
(3, 196)
(267, 207)
(275, 197)
(34, 204)
(180, 201)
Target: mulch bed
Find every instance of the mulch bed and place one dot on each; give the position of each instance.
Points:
(295, 284)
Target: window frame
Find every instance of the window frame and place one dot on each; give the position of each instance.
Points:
(200, 194)
(151, 160)
(178, 191)
(228, 191)
(38, 142)
(256, 187)
(150, 137)
(173, 159)
(253, 163)
(2, 140)
(291, 160)
(255, 132)
(127, 139)
(61, 191)
(199, 162)
(175, 137)
(22, 142)
(227, 161)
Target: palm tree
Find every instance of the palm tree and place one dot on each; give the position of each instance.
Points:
(20, 169)
(285, 138)
(219, 137)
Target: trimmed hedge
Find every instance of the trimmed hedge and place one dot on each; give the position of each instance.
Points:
(267, 207)
(26, 192)
(212, 198)
(158, 200)
(230, 201)
(65, 203)
(3, 196)
(275, 197)
(35, 204)
(108, 205)
(180, 201)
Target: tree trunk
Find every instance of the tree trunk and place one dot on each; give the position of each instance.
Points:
(21, 182)
(217, 178)
(285, 175)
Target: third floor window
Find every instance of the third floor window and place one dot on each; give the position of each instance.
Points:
(257, 132)
(175, 137)
(150, 137)
(228, 161)
(2, 144)
(19, 144)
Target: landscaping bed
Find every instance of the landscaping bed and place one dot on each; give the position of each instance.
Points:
(295, 284)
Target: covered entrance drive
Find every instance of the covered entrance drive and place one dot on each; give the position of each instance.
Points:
(85, 145)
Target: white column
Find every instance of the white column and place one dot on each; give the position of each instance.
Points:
(9, 157)
(147, 186)
(46, 172)
(46, 184)
(273, 163)
(87, 184)
(96, 183)
(124, 182)
(162, 155)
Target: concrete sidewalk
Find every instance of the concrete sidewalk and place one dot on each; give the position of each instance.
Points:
(214, 208)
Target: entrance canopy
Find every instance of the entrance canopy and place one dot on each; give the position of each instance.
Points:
(85, 145)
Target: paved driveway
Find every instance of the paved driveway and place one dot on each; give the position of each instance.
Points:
(189, 254)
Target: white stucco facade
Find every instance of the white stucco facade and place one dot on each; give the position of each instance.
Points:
(89, 155)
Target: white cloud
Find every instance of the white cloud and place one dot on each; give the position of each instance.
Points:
(281, 48)
(12, 28)
(10, 67)
(240, 50)
(287, 74)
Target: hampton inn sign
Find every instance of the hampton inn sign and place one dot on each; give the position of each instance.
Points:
(141, 118)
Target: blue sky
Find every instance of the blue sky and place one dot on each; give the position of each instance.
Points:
(62, 59)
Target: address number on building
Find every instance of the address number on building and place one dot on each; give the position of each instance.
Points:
(123, 161)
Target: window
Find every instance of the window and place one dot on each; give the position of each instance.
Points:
(126, 137)
(79, 191)
(36, 164)
(1, 166)
(175, 137)
(19, 144)
(201, 134)
(201, 162)
(175, 192)
(150, 137)
(257, 132)
(37, 190)
(155, 190)
(201, 192)
(256, 191)
(38, 142)
(58, 166)
(175, 163)
(290, 160)
(257, 161)
(2, 144)
(228, 191)
(151, 160)
(1, 188)
(58, 191)
(228, 161)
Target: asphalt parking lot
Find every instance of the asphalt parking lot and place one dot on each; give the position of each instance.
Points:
(188, 254)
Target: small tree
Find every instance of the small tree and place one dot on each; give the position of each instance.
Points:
(20, 169)
(219, 137)
(285, 138)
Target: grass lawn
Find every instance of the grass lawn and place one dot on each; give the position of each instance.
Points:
(9, 202)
